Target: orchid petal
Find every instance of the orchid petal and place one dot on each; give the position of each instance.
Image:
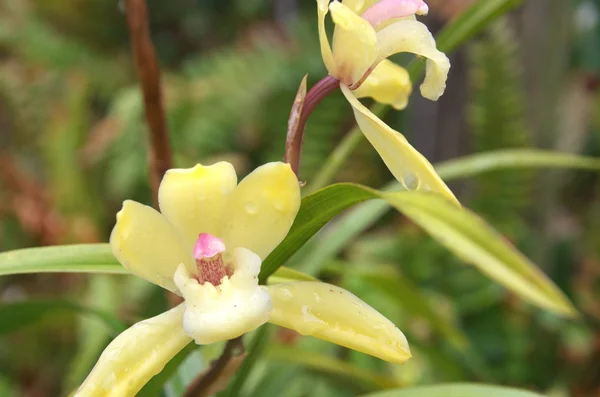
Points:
(326, 54)
(261, 209)
(194, 199)
(389, 84)
(147, 245)
(136, 355)
(355, 48)
(407, 165)
(333, 314)
(414, 37)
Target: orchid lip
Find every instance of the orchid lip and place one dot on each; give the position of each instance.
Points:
(386, 10)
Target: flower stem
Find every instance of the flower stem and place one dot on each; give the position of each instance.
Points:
(211, 381)
(149, 74)
(317, 93)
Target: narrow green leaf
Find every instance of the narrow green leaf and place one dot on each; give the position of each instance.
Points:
(351, 225)
(455, 390)
(92, 258)
(102, 294)
(327, 364)
(476, 164)
(409, 297)
(19, 314)
(458, 229)
(315, 211)
(472, 21)
(287, 275)
(79, 258)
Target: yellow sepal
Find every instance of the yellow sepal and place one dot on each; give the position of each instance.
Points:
(355, 48)
(407, 165)
(147, 245)
(333, 314)
(261, 209)
(136, 355)
(388, 84)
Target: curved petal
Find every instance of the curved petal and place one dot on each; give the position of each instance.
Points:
(236, 306)
(409, 166)
(355, 48)
(193, 199)
(412, 36)
(326, 54)
(136, 355)
(261, 209)
(147, 245)
(335, 315)
(388, 83)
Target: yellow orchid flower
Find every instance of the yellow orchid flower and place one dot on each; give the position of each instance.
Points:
(366, 33)
(207, 245)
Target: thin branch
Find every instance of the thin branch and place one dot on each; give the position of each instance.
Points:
(215, 378)
(295, 138)
(148, 71)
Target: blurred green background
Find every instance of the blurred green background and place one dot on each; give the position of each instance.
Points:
(73, 147)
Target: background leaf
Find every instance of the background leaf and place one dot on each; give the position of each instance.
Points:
(81, 258)
(456, 390)
(459, 230)
(20, 314)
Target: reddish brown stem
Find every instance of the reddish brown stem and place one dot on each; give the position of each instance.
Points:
(317, 93)
(205, 384)
(148, 71)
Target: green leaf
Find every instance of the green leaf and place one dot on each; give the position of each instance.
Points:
(472, 21)
(322, 363)
(409, 297)
(102, 294)
(458, 229)
(20, 314)
(476, 164)
(92, 258)
(79, 258)
(455, 390)
(362, 217)
(287, 275)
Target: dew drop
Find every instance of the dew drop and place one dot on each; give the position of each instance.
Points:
(251, 207)
(410, 181)
(279, 206)
(310, 323)
(317, 297)
(285, 294)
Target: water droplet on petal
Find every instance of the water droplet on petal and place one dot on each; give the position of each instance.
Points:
(285, 294)
(410, 181)
(251, 207)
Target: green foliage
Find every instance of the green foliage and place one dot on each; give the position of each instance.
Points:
(497, 115)
(71, 118)
(456, 390)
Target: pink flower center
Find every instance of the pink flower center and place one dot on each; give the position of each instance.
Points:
(385, 10)
(209, 259)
